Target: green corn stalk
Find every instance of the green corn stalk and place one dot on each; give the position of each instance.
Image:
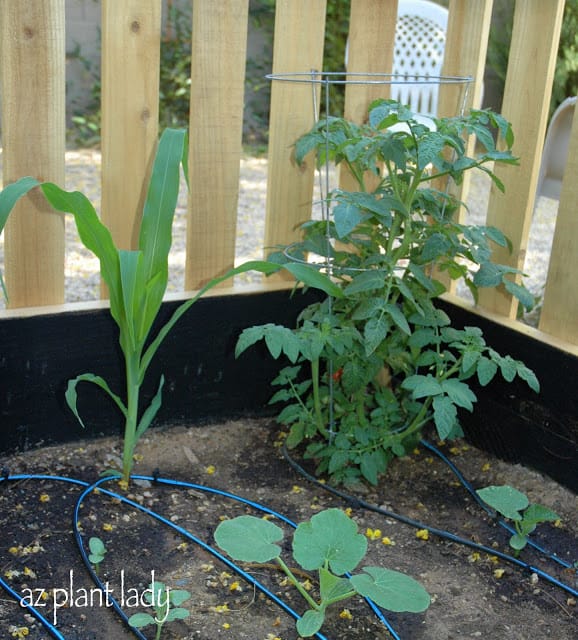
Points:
(137, 280)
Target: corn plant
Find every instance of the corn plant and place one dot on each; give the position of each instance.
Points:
(137, 279)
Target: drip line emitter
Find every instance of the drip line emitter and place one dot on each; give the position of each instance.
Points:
(325, 81)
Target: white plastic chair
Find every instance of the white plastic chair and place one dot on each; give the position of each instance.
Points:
(420, 38)
(555, 151)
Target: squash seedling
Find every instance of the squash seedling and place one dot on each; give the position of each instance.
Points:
(97, 552)
(515, 506)
(330, 544)
(166, 604)
(137, 280)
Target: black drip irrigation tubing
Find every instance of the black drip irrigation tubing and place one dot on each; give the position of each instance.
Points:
(359, 503)
(88, 488)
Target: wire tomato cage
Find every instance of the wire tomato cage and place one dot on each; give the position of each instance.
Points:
(421, 92)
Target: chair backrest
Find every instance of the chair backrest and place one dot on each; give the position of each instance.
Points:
(555, 150)
(420, 39)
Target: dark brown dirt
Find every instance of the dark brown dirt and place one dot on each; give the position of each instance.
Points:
(469, 599)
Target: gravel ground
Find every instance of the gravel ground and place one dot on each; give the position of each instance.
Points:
(81, 268)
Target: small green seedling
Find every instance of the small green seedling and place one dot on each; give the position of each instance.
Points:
(330, 544)
(166, 604)
(97, 552)
(515, 506)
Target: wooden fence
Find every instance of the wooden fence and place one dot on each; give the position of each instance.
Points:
(32, 70)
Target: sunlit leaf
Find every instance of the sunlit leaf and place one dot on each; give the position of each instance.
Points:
(391, 590)
(505, 499)
(249, 539)
(330, 536)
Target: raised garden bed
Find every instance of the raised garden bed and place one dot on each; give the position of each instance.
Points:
(375, 364)
(206, 384)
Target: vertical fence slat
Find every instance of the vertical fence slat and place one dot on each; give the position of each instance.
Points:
(32, 59)
(370, 50)
(130, 93)
(526, 101)
(298, 47)
(465, 51)
(219, 44)
(464, 55)
(559, 315)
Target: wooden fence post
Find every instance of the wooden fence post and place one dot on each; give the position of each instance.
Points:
(559, 316)
(370, 50)
(130, 106)
(298, 47)
(32, 73)
(464, 55)
(465, 52)
(219, 46)
(533, 52)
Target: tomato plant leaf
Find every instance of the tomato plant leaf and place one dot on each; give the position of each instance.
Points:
(445, 416)
(422, 386)
(459, 393)
(486, 370)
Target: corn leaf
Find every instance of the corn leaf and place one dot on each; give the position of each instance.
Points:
(157, 220)
(71, 395)
(151, 411)
(95, 237)
(129, 264)
(10, 195)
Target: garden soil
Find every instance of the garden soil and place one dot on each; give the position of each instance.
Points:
(474, 595)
